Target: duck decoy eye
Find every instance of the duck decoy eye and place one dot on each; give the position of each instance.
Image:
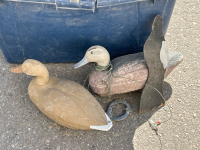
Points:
(91, 52)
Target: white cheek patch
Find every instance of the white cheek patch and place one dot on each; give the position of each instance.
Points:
(164, 54)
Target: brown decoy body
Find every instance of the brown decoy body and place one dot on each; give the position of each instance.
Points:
(64, 101)
(129, 72)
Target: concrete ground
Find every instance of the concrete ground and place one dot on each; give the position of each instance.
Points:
(23, 126)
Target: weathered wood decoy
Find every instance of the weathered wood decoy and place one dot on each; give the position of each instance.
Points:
(129, 72)
(64, 101)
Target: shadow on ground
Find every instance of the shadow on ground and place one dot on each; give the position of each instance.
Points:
(23, 126)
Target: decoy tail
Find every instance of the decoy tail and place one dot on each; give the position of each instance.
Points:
(174, 59)
(169, 59)
(105, 127)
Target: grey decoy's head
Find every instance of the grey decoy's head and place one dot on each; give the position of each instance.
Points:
(97, 54)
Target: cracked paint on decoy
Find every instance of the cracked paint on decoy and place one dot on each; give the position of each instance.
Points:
(129, 72)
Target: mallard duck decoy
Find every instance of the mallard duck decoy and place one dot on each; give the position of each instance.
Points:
(64, 101)
(129, 72)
